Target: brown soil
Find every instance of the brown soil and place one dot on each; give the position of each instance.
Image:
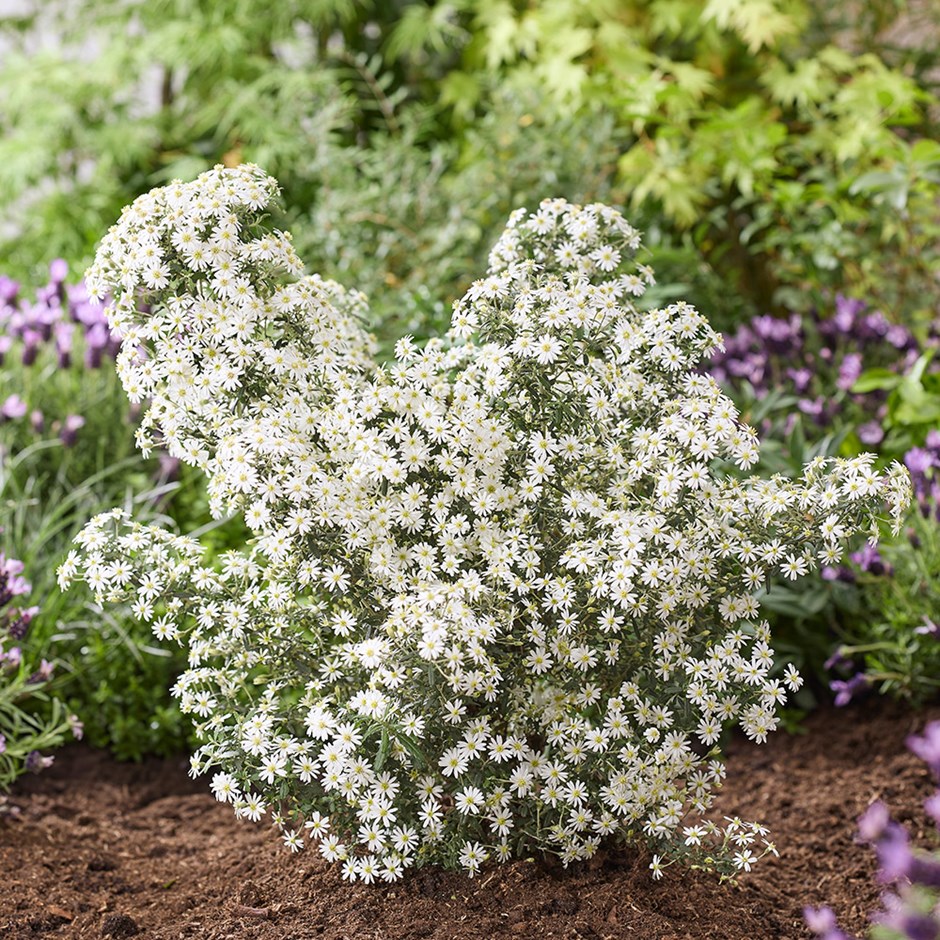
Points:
(100, 849)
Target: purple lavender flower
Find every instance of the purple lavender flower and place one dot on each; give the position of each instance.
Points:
(814, 407)
(849, 689)
(894, 853)
(3, 743)
(800, 378)
(58, 270)
(918, 460)
(932, 805)
(19, 625)
(838, 660)
(822, 921)
(847, 310)
(849, 371)
(899, 336)
(871, 433)
(927, 746)
(9, 289)
(36, 762)
(43, 674)
(873, 823)
(14, 407)
(869, 559)
(70, 428)
(929, 628)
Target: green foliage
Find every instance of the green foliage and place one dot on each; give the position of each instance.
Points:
(795, 163)
(913, 404)
(898, 638)
(780, 162)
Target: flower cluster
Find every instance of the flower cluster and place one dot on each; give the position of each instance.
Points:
(22, 736)
(503, 592)
(808, 357)
(816, 364)
(912, 903)
(62, 317)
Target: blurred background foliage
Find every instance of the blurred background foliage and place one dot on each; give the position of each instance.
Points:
(781, 157)
(777, 148)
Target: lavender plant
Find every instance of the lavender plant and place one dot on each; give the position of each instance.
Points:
(501, 593)
(912, 900)
(841, 383)
(837, 374)
(66, 452)
(23, 736)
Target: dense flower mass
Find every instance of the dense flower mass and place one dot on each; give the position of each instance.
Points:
(503, 593)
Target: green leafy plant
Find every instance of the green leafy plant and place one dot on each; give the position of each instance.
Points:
(23, 681)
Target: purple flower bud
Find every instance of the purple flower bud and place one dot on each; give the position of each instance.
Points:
(894, 854)
(932, 805)
(37, 421)
(898, 336)
(929, 628)
(6, 343)
(846, 691)
(36, 762)
(918, 460)
(924, 871)
(3, 743)
(869, 559)
(14, 657)
(58, 270)
(70, 427)
(933, 440)
(30, 351)
(820, 920)
(8, 289)
(870, 433)
(927, 747)
(847, 309)
(849, 371)
(838, 660)
(875, 325)
(873, 822)
(43, 674)
(20, 624)
(823, 923)
(13, 407)
(76, 727)
(801, 379)
(812, 407)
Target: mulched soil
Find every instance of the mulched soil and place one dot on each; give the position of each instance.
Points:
(100, 849)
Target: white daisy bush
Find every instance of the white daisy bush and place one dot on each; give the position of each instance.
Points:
(502, 593)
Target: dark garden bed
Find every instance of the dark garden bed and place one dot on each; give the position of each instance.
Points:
(100, 849)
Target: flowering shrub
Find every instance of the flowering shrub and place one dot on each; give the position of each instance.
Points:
(23, 736)
(912, 903)
(501, 593)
